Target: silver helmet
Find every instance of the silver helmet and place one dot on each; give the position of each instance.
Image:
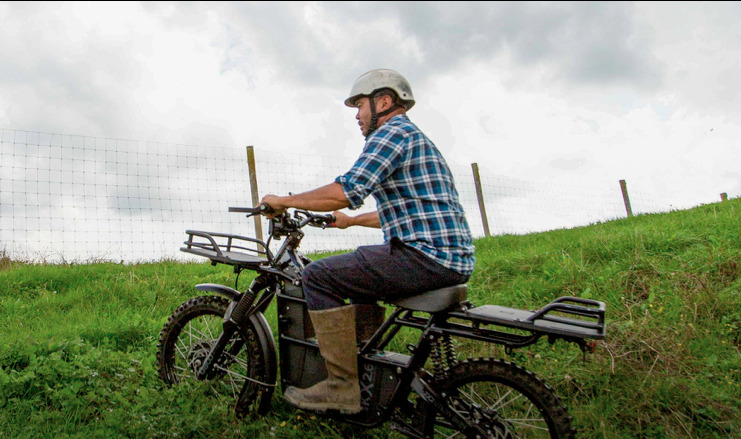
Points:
(378, 79)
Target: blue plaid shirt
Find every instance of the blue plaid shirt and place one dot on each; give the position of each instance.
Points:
(414, 189)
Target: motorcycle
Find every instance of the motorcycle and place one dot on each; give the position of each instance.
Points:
(425, 392)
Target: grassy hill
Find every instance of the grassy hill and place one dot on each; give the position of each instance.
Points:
(77, 357)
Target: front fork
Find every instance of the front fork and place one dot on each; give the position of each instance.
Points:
(206, 371)
(234, 315)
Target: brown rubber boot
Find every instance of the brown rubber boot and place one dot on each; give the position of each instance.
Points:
(335, 332)
(368, 318)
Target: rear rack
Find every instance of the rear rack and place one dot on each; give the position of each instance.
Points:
(545, 321)
(225, 248)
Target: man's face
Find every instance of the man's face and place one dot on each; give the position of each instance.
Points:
(364, 114)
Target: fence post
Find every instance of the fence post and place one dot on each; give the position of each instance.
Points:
(626, 199)
(253, 189)
(724, 197)
(480, 196)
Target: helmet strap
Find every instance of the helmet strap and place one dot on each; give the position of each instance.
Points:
(374, 116)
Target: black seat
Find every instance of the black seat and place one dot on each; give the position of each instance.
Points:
(435, 300)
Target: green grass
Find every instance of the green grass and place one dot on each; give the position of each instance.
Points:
(77, 357)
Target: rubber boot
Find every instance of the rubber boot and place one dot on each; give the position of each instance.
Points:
(335, 332)
(368, 318)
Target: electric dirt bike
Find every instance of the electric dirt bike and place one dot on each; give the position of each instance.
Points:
(425, 391)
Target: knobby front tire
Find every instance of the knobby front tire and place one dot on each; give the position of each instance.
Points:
(188, 337)
(504, 398)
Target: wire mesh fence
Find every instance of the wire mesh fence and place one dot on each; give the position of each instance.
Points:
(65, 198)
(74, 198)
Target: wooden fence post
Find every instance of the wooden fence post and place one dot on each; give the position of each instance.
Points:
(253, 189)
(480, 196)
(626, 199)
(724, 197)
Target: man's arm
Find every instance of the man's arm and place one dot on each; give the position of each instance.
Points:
(323, 199)
(370, 219)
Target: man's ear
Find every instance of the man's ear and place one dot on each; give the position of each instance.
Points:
(383, 103)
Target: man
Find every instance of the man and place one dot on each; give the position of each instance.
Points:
(427, 242)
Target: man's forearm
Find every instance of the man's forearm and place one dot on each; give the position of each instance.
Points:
(370, 219)
(324, 199)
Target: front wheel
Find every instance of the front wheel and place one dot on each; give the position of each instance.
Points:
(244, 369)
(502, 398)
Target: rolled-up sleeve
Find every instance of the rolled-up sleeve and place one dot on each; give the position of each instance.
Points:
(380, 157)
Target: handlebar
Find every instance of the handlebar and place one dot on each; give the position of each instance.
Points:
(304, 216)
(316, 220)
(261, 209)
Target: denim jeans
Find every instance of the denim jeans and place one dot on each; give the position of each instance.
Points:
(372, 273)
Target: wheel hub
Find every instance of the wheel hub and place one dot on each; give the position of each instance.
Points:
(197, 354)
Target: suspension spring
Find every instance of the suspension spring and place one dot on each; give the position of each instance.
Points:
(245, 302)
(451, 356)
(438, 366)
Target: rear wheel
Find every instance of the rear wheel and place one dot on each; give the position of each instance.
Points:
(188, 337)
(503, 399)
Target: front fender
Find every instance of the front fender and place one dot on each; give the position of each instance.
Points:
(229, 293)
(265, 334)
(267, 345)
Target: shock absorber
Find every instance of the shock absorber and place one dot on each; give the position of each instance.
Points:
(438, 365)
(247, 299)
(451, 356)
(244, 304)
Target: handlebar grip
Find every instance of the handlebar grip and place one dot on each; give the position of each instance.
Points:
(243, 209)
(262, 208)
(265, 209)
(324, 221)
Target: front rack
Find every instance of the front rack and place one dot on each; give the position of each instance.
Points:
(227, 249)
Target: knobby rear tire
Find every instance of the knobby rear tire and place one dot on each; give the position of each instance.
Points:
(189, 335)
(513, 402)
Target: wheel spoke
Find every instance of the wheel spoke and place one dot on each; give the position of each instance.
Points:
(242, 363)
(444, 435)
(207, 329)
(474, 396)
(232, 384)
(181, 352)
(232, 374)
(529, 423)
(202, 334)
(498, 403)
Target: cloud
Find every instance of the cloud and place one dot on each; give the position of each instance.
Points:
(64, 71)
(182, 72)
(315, 44)
(274, 74)
(332, 43)
(701, 51)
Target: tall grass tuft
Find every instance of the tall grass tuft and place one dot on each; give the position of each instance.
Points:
(5, 260)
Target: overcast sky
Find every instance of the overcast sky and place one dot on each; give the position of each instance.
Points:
(647, 92)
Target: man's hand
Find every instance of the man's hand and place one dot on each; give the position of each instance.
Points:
(276, 202)
(342, 221)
